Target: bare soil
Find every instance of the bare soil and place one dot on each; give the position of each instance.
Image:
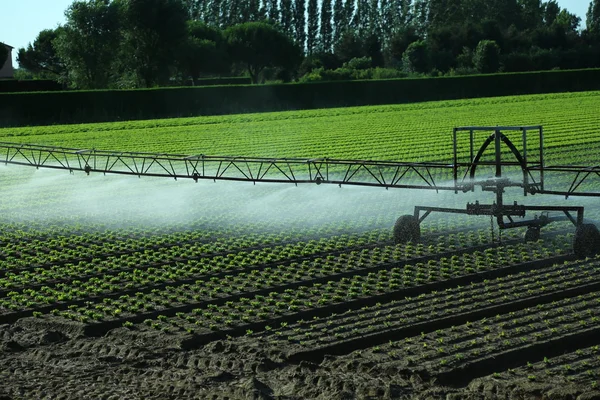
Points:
(49, 361)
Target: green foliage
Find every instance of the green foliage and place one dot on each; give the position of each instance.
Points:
(88, 42)
(150, 43)
(312, 27)
(358, 63)
(338, 18)
(299, 22)
(349, 46)
(286, 8)
(593, 18)
(258, 45)
(400, 42)
(204, 52)
(416, 58)
(326, 29)
(154, 32)
(487, 57)
(41, 58)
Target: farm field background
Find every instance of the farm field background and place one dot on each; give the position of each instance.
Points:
(152, 288)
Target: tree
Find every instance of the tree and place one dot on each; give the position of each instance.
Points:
(89, 41)
(349, 46)
(593, 18)
(273, 10)
(487, 57)
(258, 45)
(444, 13)
(326, 28)
(400, 42)
(234, 12)
(551, 11)
(41, 58)
(349, 10)
(299, 22)
(388, 19)
(287, 17)
(213, 16)
(568, 21)
(338, 20)
(420, 13)
(531, 13)
(253, 10)
(362, 17)
(196, 9)
(403, 13)
(374, 20)
(312, 26)
(416, 57)
(372, 48)
(154, 32)
(205, 51)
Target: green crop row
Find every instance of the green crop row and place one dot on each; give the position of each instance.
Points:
(394, 132)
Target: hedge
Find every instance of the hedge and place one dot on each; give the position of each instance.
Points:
(13, 85)
(18, 109)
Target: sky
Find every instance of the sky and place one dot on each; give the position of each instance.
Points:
(24, 19)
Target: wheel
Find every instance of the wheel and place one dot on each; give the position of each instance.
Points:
(587, 240)
(532, 234)
(407, 229)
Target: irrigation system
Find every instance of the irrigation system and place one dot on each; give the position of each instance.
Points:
(513, 155)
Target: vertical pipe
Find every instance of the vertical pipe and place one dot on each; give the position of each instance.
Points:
(541, 158)
(497, 134)
(471, 144)
(525, 168)
(455, 166)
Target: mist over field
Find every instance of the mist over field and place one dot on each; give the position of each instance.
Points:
(54, 196)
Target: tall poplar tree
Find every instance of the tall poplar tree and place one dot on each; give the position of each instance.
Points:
(253, 10)
(262, 11)
(403, 14)
(234, 14)
(388, 20)
(196, 9)
(287, 17)
(592, 20)
(349, 10)
(361, 17)
(273, 10)
(374, 20)
(299, 22)
(312, 26)
(326, 27)
(224, 14)
(214, 13)
(338, 20)
(420, 16)
(532, 13)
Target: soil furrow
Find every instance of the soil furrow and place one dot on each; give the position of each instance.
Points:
(370, 340)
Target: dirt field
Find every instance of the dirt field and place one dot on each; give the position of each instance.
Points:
(41, 363)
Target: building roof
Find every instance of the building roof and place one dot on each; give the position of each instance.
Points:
(7, 45)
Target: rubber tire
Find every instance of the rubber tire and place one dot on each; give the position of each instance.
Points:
(587, 240)
(532, 234)
(407, 229)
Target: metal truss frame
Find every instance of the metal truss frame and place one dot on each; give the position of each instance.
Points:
(455, 176)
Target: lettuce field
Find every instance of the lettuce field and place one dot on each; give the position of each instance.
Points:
(139, 288)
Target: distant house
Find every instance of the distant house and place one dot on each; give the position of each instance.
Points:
(7, 69)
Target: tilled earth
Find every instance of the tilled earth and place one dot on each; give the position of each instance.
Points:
(41, 363)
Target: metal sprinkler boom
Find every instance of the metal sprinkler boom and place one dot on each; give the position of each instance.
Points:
(531, 169)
